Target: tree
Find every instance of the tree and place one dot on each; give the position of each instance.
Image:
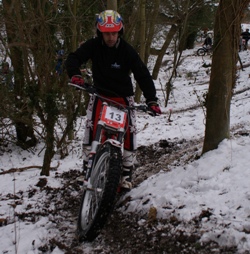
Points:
(112, 5)
(31, 46)
(140, 25)
(223, 71)
(20, 113)
(176, 34)
(142, 37)
(201, 18)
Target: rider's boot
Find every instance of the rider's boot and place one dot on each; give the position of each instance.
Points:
(128, 166)
(126, 181)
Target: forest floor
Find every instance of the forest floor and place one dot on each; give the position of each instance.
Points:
(124, 233)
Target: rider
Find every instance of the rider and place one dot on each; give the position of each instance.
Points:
(208, 42)
(112, 61)
(246, 36)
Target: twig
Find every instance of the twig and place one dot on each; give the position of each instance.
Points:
(12, 170)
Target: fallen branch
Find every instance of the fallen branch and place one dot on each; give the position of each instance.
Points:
(13, 170)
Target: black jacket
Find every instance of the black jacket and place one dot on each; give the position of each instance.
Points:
(111, 68)
(246, 35)
(208, 41)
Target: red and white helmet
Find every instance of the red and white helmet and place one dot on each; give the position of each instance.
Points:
(109, 21)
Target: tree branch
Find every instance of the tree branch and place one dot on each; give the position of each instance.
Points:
(13, 170)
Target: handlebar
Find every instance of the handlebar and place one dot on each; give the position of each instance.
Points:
(86, 87)
(92, 90)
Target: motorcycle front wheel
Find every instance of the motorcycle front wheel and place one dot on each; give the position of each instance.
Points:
(201, 52)
(99, 197)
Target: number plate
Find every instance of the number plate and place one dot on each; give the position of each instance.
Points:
(113, 117)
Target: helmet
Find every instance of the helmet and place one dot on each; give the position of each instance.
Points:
(109, 21)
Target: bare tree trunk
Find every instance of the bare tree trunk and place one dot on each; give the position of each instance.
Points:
(151, 22)
(223, 72)
(112, 5)
(132, 24)
(142, 30)
(75, 36)
(23, 118)
(50, 138)
(74, 44)
(177, 58)
(162, 52)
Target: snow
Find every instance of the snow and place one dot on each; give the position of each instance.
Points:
(217, 182)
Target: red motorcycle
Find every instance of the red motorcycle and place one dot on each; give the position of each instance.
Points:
(104, 169)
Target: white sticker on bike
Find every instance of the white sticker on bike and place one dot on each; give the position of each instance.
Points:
(113, 117)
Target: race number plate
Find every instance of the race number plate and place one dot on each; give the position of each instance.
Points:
(113, 117)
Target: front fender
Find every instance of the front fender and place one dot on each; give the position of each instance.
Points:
(114, 143)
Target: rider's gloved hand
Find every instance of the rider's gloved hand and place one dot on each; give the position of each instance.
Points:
(154, 107)
(77, 80)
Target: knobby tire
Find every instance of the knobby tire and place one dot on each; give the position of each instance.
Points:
(97, 204)
(201, 52)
